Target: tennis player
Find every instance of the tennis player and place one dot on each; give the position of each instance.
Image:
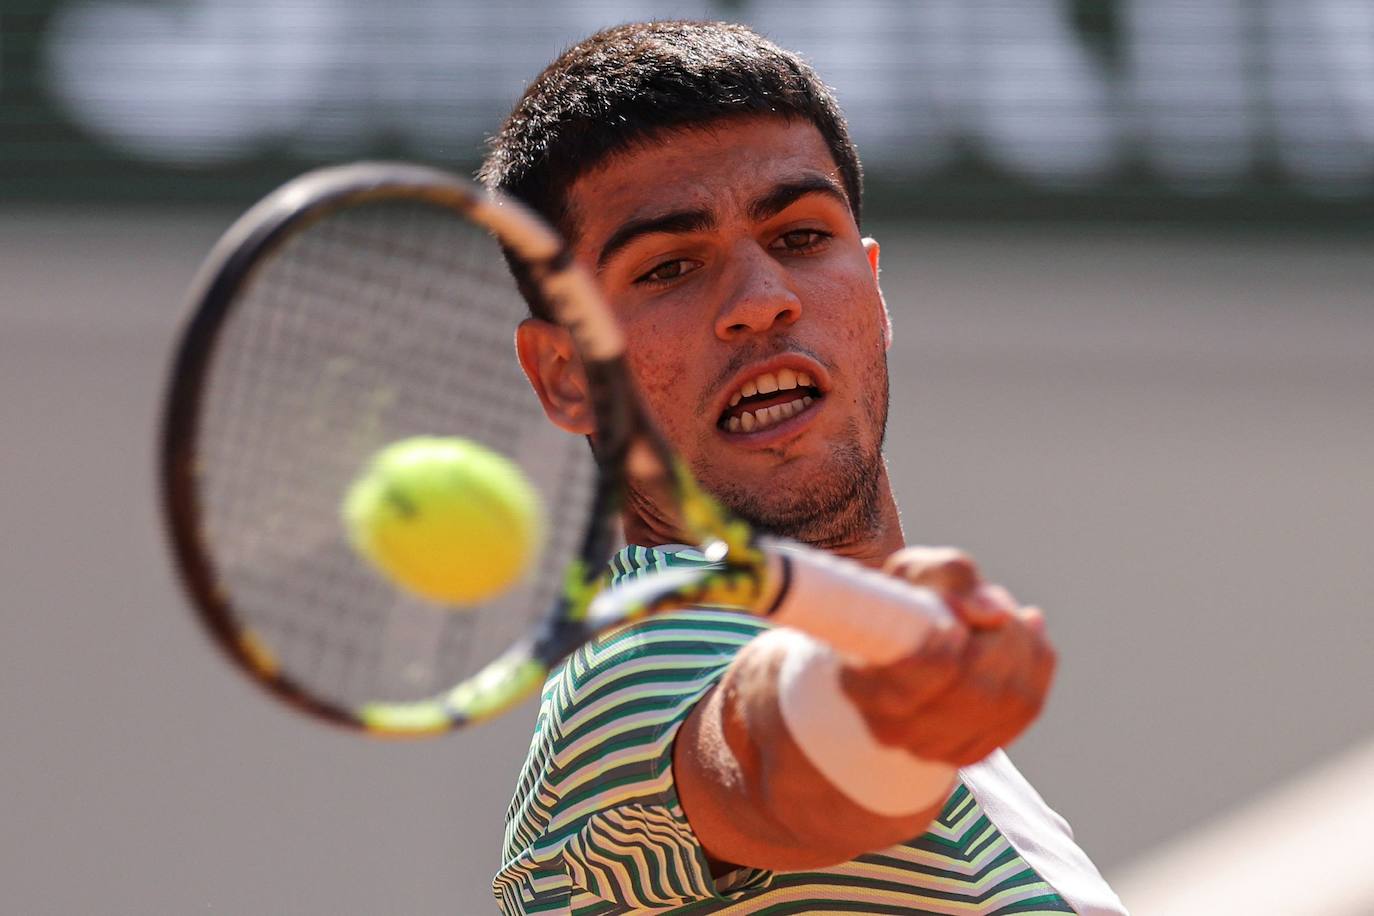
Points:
(700, 760)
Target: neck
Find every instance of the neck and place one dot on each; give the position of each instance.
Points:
(873, 547)
(872, 543)
(647, 526)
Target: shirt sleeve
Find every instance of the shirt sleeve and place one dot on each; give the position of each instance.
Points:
(1039, 835)
(596, 816)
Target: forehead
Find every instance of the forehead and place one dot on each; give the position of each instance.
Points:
(720, 166)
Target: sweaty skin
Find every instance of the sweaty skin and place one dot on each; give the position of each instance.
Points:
(728, 250)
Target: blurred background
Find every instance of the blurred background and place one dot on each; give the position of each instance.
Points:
(1127, 246)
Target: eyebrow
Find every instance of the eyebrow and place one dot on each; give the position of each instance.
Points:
(678, 222)
(682, 222)
(784, 195)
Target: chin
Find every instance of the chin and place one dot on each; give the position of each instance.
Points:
(817, 499)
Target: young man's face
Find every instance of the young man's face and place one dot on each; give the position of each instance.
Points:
(732, 259)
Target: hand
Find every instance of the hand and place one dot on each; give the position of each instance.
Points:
(954, 576)
(969, 690)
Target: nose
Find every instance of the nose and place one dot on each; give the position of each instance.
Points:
(758, 295)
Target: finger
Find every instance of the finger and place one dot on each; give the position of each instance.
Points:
(946, 570)
(981, 728)
(996, 596)
(1015, 713)
(955, 744)
(1000, 692)
(1021, 702)
(893, 691)
(987, 607)
(1033, 618)
(997, 689)
(1045, 665)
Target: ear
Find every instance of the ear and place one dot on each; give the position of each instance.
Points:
(871, 249)
(555, 372)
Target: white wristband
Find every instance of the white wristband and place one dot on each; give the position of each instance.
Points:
(833, 735)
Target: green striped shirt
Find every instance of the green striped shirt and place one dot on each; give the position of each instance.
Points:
(596, 827)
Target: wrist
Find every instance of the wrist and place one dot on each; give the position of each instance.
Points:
(832, 734)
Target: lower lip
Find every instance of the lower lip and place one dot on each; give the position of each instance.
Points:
(778, 432)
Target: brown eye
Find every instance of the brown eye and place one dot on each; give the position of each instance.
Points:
(668, 271)
(801, 240)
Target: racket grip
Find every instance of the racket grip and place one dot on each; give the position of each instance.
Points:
(867, 616)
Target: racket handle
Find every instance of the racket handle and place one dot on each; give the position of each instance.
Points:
(867, 616)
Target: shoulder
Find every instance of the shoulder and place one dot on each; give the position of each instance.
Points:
(608, 716)
(653, 666)
(692, 638)
(601, 752)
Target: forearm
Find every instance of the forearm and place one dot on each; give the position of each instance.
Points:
(750, 792)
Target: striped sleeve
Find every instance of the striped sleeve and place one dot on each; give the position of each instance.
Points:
(596, 825)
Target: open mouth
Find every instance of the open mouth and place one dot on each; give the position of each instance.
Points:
(768, 399)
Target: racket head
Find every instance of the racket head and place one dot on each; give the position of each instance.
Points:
(212, 419)
(226, 539)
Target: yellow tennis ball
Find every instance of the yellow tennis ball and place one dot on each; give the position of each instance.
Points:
(446, 518)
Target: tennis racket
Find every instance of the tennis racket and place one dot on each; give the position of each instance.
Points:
(362, 304)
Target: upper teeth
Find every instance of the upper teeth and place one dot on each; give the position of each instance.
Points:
(769, 382)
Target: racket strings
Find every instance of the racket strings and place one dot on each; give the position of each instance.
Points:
(373, 324)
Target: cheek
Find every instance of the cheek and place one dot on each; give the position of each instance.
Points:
(851, 307)
(662, 371)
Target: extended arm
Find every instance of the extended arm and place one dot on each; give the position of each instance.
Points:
(754, 797)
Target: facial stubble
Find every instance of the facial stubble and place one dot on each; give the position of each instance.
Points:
(839, 504)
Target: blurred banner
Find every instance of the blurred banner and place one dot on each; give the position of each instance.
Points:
(1239, 108)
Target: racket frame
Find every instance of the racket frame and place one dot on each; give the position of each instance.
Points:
(569, 292)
